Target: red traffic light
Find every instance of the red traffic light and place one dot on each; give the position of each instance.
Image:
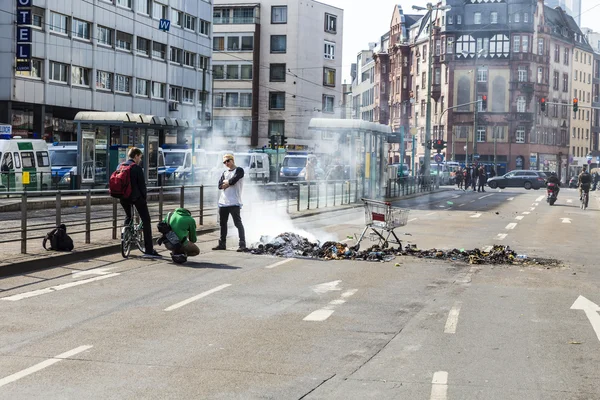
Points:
(484, 97)
(439, 142)
(543, 100)
(575, 101)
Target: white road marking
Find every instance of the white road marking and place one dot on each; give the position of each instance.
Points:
(566, 220)
(510, 199)
(526, 212)
(463, 204)
(487, 249)
(52, 289)
(502, 236)
(532, 208)
(96, 271)
(519, 217)
(456, 197)
(512, 225)
(326, 287)
(439, 388)
(477, 215)
(487, 195)
(431, 213)
(472, 201)
(466, 279)
(42, 365)
(277, 264)
(413, 219)
(326, 312)
(569, 200)
(591, 311)
(197, 297)
(452, 320)
(540, 198)
(346, 240)
(535, 204)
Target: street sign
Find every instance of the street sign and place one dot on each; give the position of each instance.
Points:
(5, 129)
(598, 159)
(438, 158)
(164, 25)
(476, 156)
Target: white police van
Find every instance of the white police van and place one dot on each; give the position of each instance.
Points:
(24, 163)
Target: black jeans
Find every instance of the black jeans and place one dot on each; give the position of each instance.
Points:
(142, 208)
(237, 220)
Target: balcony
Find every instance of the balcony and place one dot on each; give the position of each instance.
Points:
(436, 91)
(235, 20)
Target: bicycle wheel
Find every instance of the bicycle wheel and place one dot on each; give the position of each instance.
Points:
(139, 239)
(126, 241)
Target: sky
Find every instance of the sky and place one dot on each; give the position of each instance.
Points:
(367, 20)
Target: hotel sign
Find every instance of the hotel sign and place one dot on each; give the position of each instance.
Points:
(24, 36)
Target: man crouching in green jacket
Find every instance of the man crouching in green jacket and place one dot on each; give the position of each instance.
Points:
(184, 226)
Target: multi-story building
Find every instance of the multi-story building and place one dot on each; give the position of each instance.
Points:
(276, 66)
(382, 81)
(105, 56)
(593, 38)
(346, 103)
(363, 86)
(572, 7)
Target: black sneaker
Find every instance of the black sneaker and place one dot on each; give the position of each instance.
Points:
(220, 247)
(242, 249)
(153, 254)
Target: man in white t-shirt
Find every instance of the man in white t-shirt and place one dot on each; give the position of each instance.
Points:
(230, 201)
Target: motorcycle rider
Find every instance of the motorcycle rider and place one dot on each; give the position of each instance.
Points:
(584, 181)
(554, 179)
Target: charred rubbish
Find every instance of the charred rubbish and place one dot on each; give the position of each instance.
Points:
(293, 245)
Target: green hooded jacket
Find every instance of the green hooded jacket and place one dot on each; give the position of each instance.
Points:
(183, 225)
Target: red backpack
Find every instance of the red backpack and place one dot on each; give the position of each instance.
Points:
(119, 184)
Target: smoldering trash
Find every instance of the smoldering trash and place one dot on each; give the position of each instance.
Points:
(293, 245)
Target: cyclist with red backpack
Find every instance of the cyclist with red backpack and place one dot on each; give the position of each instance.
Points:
(128, 184)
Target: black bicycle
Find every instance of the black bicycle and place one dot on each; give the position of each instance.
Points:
(132, 235)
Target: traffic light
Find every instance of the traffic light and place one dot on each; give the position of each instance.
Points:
(575, 104)
(543, 104)
(439, 145)
(484, 102)
(283, 141)
(428, 144)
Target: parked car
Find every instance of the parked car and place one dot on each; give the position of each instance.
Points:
(519, 178)
(573, 182)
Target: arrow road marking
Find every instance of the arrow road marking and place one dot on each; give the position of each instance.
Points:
(566, 220)
(502, 236)
(326, 287)
(512, 225)
(591, 311)
(540, 198)
(477, 215)
(325, 312)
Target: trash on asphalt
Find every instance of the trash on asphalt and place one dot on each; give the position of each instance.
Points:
(293, 245)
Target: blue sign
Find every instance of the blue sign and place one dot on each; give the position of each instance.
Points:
(598, 159)
(23, 51)
(164, 25)
(476, 156)
(6, 129)
(24, 3)
(23, 34)
(438, 158)
(589, 158)
(23, 65)
(23, 17)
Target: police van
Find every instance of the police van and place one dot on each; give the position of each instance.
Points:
(24, 163)
(256, 166)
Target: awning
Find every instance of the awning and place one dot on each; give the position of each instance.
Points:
(107, 117)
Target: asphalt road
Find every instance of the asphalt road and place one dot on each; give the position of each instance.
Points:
(229, 325)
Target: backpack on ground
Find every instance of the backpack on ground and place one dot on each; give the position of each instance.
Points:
(59, 240)
(119, 184)
(169, 238)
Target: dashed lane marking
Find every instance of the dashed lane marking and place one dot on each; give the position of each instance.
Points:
(197, 297)
(519, 217)
(326, 312)
(532, 208)
(278, 263)
(512, 225)
(510, 199)
(540, 198)
(487, 195)
(439, 386)
(502, 236)
(463, 204)
(452, 320)
(476, 215)
(431, 213)
(569, 200)
(566, 220)
(526, 212)
(535, 204)
(412, 219)
(52, 289)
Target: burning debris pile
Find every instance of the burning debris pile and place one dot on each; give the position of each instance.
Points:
(293, 245)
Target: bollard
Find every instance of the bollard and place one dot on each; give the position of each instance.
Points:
(334, 193)
(24, 222)
(114, 221)
(308, 199)
(343, 194)
(160, 203)
(298, 198)
(318, 186)
(58, 208)
(88, 215)
(182, 197)
(326, 198)
(201, 218)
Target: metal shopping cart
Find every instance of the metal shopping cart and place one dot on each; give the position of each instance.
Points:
(382, 218)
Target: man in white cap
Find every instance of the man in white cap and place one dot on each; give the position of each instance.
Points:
(230, 201)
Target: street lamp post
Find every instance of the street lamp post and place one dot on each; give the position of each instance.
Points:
(430, 8)
(476, 105)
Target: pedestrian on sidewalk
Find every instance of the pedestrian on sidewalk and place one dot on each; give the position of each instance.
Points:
(474, 176)
(482, 179)
(231, 184)
(467, 178)
(459, 178)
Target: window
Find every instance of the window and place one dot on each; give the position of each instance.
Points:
(124, 3)
(176, 55)
(555, 81)
(175, 94)
(330, 23)
(58, 72)
(218, 99)
(525, 44)
(517, 17)
(158, 50)
(124, 41)
(541, 47)
(494, 17)
(189, 22)
(246, 71)
(123, 84)
(520, 134)
(36, 70)
(232, 99)
(243, 15)
(498, 132)
(58, 23)
(328, 102)
(481, 134)
(276, 127)
(233, 72)
(521, 104)
(176, 17)
(81, 29)
(556, 53)
(104, 80)
(245, 100)
(577, 56)
(477, 18)
(450, 45)
(540, 75)
(566, 56)
(189, 59)
(276, 100)
(277, 73)
(105, 36)
(279, 14)
(459, 19)
(525, 17)
(143, 46)
(233, 43)
(158, 90)
(278, 43)
(522, 74)
(42, 159)
(329, 50)
(404, 83)
(565, 82)
(450, 19)
(328, 76)
(143, 7)
(575, 76)
(247, 43)
(37, 17)
(141, 87)
(218, 72)
(28, 159)
(203, 62)
(159, 11)
(516, 43)
(80, 76)
(218, 43)
(204, 27)
(482, 74)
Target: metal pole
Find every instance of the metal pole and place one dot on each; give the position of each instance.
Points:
(114, 219)
(24, 222)
(160, 203)
(88, 215)
(201, 205)
(58, 208)
(426, 160)
(182, 197)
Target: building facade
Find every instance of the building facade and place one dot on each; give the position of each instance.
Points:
(363, 87)
(572, 8)
(106, 56)
(276, 66)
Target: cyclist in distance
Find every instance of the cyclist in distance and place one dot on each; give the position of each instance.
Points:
(584, 181)
(138, 199)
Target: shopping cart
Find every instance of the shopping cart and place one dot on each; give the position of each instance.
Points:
(382, 218)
